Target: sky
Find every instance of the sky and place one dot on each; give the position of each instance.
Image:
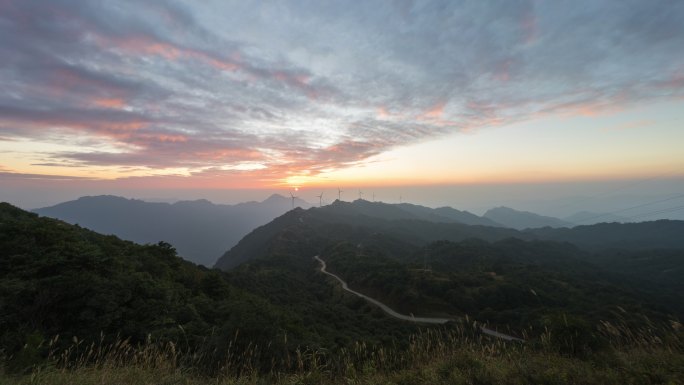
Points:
(233, 100)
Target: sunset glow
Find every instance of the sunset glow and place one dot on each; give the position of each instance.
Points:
(232, 96)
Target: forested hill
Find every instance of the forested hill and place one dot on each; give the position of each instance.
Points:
(345, 221)
(523, 219)
(365, 222)
(660, 234)
(57, 278)
(490, 262)
(391, 211)
(61, 279)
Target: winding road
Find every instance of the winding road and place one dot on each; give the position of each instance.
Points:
(410, 318)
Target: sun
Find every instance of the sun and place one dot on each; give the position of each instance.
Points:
(297, 181)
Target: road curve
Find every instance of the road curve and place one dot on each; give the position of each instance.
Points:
(410, 318)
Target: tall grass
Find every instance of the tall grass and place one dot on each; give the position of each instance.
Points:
(454, 352)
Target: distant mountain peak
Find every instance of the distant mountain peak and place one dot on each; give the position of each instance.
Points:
(275, 198)
(523, 219)
(102, 197)
(590, 218)
(197, 202)
(199, 229)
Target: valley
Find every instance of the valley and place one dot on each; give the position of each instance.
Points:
(411, 317)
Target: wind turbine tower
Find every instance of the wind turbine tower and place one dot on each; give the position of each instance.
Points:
(339, 194)
(360, 194)
(320, 199)
(293, 199)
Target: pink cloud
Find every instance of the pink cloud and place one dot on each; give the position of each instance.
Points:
(142, 138)
(119, 126)
(234, 61)
(115, 103)
(433, 113)
(382, 112)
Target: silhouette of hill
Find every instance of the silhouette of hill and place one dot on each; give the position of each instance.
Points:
(523, 219)
(364, 222)
(447, 214)
(360, 221)
(199, 230)
(390, 211)
(660, 234)
(590, 218)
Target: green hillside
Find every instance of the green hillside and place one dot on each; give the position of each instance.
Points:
(80, 307)
(60, 279)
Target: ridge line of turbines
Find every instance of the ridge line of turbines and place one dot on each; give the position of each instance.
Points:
(636, 216)
(339, 197)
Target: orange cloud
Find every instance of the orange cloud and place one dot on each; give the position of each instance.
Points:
(109, 103)
(235, 153)
(435, 112)
(113, 129)
(434, 116)
(164, 138)
(146, 46)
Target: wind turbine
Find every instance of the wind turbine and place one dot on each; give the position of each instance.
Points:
(373, 197)
(293, 199)
(360, 194)
(320, 199)
(339, 194)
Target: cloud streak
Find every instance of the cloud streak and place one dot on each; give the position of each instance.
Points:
(304, 88)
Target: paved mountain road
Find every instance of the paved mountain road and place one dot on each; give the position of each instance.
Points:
(410, 318)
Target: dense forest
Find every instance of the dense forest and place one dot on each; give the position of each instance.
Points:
(60, 279)
(72, 299)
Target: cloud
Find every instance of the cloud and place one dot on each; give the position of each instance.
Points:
(15, 176)
(317, 86)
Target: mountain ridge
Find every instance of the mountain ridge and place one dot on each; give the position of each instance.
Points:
(199, 229)
(344, 219)
(522, 220)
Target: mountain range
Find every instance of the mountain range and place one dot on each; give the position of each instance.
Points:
(441, 268)
(361, 221)
(202, 231)
(199, 230)
(61, 279)
(523, 219)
